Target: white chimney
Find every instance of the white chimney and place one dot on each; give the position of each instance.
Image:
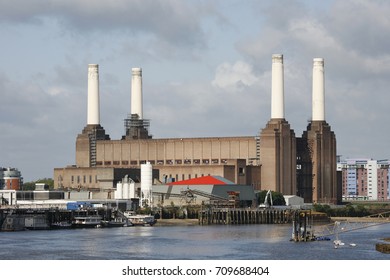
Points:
(136, 92)
(277, 99)
(318, 105)
(93, 94)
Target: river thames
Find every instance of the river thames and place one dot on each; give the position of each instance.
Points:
(217, 242)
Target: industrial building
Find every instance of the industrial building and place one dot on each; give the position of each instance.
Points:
(204, 189)
(272, 159)
(10, 179)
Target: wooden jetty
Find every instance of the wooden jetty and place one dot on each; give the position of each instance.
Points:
(240, 216)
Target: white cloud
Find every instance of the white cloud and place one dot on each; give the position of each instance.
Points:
(235, 76)
(206, 70)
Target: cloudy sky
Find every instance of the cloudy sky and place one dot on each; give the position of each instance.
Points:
(206, 71)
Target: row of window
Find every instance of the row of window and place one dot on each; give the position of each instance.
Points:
(169, 178)
(83, 179)
(161, 162)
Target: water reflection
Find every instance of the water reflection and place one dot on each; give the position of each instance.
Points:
(183, 242)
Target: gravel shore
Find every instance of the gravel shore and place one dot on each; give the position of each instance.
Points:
(177, 222)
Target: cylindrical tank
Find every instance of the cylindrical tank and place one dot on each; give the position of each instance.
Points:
(126, 190)
(118, 192)
(146, 183)
(132, 190)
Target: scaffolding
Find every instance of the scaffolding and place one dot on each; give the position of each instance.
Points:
(136, 128)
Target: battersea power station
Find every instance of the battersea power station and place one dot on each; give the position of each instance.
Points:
(273, 159)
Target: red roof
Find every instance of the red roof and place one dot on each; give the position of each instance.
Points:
(205, 180)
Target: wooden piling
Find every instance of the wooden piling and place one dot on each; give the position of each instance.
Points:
(240, 216)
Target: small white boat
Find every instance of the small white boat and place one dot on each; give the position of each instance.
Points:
(139, 219)
(87, 221)
(61, 225)
(338, 242)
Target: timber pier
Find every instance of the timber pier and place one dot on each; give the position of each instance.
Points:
(240, 216)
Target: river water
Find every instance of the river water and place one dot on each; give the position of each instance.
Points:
(219, 242)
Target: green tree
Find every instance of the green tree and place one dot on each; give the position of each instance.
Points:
(30, 186)
(277, 198)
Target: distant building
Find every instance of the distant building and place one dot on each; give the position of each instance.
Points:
(293, 201)
(365, 179)
(10, 179)
(203, 189)
(271, 159)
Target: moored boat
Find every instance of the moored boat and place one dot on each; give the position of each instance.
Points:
(142, 220)
(61, 225)
(114, 223)
(86, 221)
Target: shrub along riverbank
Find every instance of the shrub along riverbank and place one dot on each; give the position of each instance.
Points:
(353, 209)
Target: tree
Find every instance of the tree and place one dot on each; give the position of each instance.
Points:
(30, 186)
(277, 198)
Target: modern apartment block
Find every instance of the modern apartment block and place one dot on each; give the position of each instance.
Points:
(365, 179)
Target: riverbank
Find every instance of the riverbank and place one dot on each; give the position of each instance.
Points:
(195, 222)
(177, 222)
(359, 219)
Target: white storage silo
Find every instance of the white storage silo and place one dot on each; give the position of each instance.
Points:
(119, 191)
(146, 184)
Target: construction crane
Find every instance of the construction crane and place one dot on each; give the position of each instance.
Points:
(266, 204)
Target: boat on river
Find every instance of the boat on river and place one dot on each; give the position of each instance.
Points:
(61, 225)
(140, 219)
(115, 223)
(87, 221)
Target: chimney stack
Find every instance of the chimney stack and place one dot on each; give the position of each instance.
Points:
(318, 105)
(136, 92)
(277, 99)
(93, 95)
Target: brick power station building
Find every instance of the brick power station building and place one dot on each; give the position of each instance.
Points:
(273, 159)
